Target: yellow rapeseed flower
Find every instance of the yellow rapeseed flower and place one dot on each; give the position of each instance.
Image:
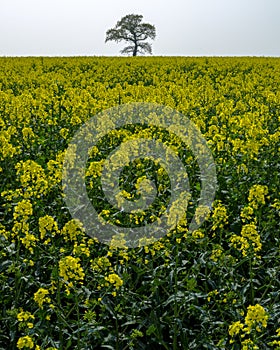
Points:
(114, 279)
(70, 270)
(72, 230)
(24, 316)
(256, 317)
(47, 224)
(23, 210)
(40, 297)
(219, 216)
(257, 195)
(25, 342)
(235, 328)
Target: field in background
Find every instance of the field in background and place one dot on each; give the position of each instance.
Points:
(215, 288)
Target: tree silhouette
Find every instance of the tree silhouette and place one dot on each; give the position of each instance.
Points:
(131, 29)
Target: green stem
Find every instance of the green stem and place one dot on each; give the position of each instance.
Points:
(78, 318)
(175, 328)
(117, 330)
(59, 303)
(251, 281)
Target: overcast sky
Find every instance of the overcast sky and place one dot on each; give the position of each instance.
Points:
(184, 27)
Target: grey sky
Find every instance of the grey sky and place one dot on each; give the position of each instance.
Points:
(184, 27)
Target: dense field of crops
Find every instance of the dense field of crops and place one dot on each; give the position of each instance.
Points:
(213, 288)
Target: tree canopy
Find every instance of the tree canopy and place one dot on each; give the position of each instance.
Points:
(131, 29)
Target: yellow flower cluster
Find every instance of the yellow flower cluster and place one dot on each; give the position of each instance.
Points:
(23, 210)
(32, 177)
(101, 264)
(275, 342)
(235, 328)
(7, 149)
(115, 280)
(72, 230)
(47, 224)
(216, 253)
(118, 242)
(25, 342)
(247, 213)
(257, 195)
(28, 136)
(255, 321)
(219, 216)
(82, 249)
(256, 317)
(250, 233)
(54, 167)
(212, 294)
(197, 234)
(26, 318)
(29, 241)
(201, 213)
(95, 169)
(276, 205)
(41, 297)
(249, 241)
(71, 271)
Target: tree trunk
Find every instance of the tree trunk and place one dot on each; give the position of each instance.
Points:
(135, 50)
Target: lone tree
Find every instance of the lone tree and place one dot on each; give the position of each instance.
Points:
(131, 30)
